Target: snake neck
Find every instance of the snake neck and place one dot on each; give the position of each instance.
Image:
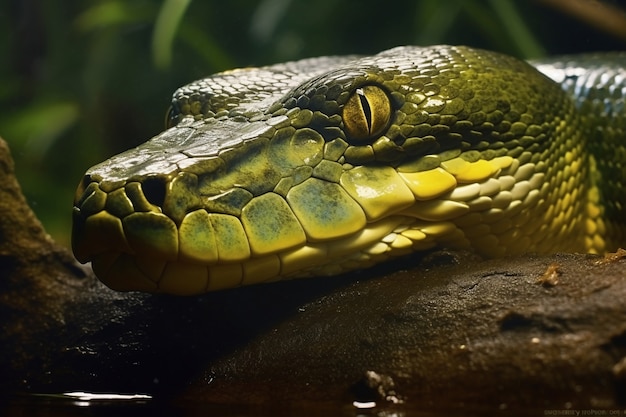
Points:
(597, 85)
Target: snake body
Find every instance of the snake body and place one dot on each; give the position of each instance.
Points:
(326, 165)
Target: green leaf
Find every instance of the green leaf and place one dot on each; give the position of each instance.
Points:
(168, 20)
(34, 129)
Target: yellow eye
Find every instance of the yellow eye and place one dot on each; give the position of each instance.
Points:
(367, 112)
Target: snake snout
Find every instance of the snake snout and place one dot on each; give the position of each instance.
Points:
(105, 210)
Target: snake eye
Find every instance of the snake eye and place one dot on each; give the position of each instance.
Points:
(367, 112)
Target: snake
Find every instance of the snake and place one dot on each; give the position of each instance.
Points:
(327, 165)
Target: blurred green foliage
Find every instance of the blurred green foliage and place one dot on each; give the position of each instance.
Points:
(82, 80)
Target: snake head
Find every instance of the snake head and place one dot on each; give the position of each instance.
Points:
(326, 165)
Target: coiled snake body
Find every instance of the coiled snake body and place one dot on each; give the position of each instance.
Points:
(326, 165)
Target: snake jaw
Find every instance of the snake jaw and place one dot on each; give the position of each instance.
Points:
(299, 235)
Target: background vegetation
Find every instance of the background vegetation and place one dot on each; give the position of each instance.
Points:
(82, 80)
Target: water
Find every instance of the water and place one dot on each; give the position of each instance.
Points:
(83, 404)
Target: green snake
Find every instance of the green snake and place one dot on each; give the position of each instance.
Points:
(326, 165)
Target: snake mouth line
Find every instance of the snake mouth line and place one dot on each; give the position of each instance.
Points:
(167, 272)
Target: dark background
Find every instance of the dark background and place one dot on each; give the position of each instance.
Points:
(81, 80)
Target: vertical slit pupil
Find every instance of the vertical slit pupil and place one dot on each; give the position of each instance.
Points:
(367, 110)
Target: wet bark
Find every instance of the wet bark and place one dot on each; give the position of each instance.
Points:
(444, 331)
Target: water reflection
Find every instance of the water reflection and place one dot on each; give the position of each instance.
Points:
(78, 404)
(88, 396)
(86, 404)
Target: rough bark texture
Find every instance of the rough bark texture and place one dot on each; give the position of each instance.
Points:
(444, 332)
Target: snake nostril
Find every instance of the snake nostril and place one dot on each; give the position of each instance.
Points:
(154, 190)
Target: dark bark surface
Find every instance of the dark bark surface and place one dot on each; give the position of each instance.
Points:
(446, 331)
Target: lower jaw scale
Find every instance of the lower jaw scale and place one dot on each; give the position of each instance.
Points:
(126, 272)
